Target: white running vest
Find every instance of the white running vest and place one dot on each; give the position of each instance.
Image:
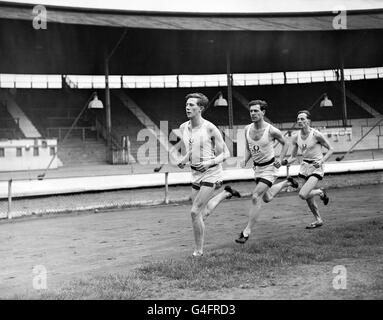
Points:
(310, 147)
(199, 142)
(261, 150)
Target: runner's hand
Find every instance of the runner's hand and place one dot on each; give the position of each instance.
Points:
(184, 161)
(181, 165)
(202, 166)
(317, 164)
(242, 164)
(277, 164)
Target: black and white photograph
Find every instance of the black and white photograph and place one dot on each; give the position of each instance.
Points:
(203, 152)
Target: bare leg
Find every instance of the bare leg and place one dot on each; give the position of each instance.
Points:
(214, 202)
(200, 201)
(274, 190)
(254, 211)
(315, 192)
(308, 193)
(314, 208)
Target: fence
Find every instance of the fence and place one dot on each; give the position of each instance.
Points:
(59, 132)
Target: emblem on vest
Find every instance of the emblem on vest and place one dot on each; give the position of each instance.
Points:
(304, 147)
(256, 149)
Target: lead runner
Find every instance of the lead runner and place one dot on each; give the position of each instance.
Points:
(205, 151)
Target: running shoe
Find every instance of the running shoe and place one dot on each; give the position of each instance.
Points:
(294, 184)
(324, 197)
(197, 254)
(233, 192)
(242, 239)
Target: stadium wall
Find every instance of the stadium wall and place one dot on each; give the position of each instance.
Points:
(27, 188)
(27, 154)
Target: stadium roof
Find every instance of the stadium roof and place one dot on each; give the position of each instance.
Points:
(208, 6)
(77, 40)
(286, 21)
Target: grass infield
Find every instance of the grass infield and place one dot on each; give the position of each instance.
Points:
(248, 266)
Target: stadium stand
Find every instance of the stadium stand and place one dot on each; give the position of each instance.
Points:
(124, 124)
(53, 112)
(9, 128)
(77, 153)
(52, 109)
(169, 105)
(286, 100)
(369, 91)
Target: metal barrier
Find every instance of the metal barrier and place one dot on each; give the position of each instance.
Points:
(61, 131)
(366, 127)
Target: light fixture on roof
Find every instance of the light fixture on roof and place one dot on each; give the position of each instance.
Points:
(326, 102)
(95, 103)
(221, 101)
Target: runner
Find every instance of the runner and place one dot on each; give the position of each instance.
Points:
(205, 151)
(310, 141)
(260, 137)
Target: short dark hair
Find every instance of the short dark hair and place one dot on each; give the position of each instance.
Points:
(308, 114)
(262, 104)
(202, 100)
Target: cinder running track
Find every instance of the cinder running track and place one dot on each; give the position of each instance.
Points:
(74, 246)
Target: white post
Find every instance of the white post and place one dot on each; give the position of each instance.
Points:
(166, 188)
(10, 199)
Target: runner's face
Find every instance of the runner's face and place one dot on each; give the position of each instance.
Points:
(302, 120)
(256, 113)
(192, 108)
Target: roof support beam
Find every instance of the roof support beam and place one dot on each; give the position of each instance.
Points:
(108, 113)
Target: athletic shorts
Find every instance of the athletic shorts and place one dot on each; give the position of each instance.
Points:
(307, 170)
(212, 177)
(266, 174)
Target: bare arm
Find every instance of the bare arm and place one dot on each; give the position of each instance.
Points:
(277, 135)
(325, 143)
(247, 150)
(294, 151)
(221, 149)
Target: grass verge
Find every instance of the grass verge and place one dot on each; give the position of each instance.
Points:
(231, 267)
